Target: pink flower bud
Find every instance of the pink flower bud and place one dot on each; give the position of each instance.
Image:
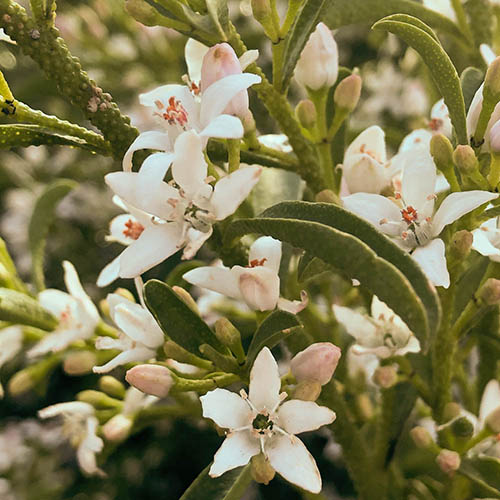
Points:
(448, 461)
(221, 61)
(317, 362)
(260, 288)
(150, 379)
(117, 428)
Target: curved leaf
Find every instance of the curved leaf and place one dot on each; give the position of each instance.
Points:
(484, 471)
(41, 219)
(19, 308)
(442, 69)
(481, 20)
(338, 218)
(470, 79)
(349, 255)
(177, 319)
(311, 267)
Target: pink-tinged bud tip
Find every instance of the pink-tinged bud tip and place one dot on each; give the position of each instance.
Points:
(316, 363)
(448, 461)
(150, 379)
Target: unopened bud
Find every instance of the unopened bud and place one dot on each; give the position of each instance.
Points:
(185, 296)
(493, 420)
(465, 159)
(316, 363)
(489, 293)
(112, 387)
(462, 427)
(385, 376)
(327, 196)
(150, 379)
(98, 400)
(306, 113)
(448, 461)
(442, 152)
(263, 14)
(492, 81)
(141, 11)
(421, 437)
(262, 470)
(260, 288)
(20, 383)
(117, 428)
(364, 407)
(126, 294)
(307, 390)
(318, 65)
(461, 244)
(451, 410)
(79, 363)
(229, 336)
(495, 138)
(347, 93)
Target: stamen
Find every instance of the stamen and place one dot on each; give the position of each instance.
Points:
(133, 229)
(431, 197)
(175, 113)
(435, 124)
(383, 221)
(397, 196)
(257, 262)
(409, 215)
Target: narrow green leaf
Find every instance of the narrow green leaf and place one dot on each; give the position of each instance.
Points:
(177, 319)
(304, 24)
(338, 218)
(19, 308)
(270, 333)
(484, 471)
(311, 268)
(470, 79)
(41, 219)
(442, 69)
(218, 11)
(482, 20)
(229, 486)
(350, 256)
(12, 280)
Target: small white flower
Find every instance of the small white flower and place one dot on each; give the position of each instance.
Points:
(11, 343)
(140, 335)
(383, 333)
(260, 422)
(258, 285)
(487, 240)
(411, 220)
(80, 426)
(76, 313)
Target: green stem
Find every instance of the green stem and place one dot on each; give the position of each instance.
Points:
(278, 52)
(482, 122)
(494, 174)
(462, 19)
(291, 14)
(233, 153)
(203, 385)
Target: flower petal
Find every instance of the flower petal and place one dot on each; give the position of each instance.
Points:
(74, 287)
(224, 127)
(165, 92)
(155, 166)
(236, 450)
(298, 416)
(227, 409)
(266, 248)
(147, 140)
(247, 58)
(432, 260)
(291, 459)
(260, 288)
(194, 52)
(483, 245)
(265, 381)
(217, 279)
(370, 142)
(189, 168)
(69, 408)
(419, 180)
(194, 241)
(130, 356)
(457, 204)
(358, 325)
(490, 400)
(109, 273)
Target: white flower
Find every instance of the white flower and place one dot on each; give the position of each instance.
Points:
(11, 343)
(473, 117)
(260, 422)
(181, 213)
(80, 426)
(487, 240)
(258, 285)
(383, 333)
(140, 335)
(444, 7)
(76, 313)
(411, 220)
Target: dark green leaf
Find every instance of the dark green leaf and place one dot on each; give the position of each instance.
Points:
(311, 268)
(440, 65)
(41, 219)
(17, 307)
(270, 332)
(229, 486)
(484, 471)
(177, 319)
(482, 20)
(470, 79)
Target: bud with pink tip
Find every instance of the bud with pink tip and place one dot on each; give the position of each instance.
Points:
(260, 288)
(318, 65)
(316, 363)
(448, 461)
(150, 379)
(117, 428)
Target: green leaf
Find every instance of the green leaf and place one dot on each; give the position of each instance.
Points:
(12, 279)
(270, 333)
(338, 218)
(23, 135)
(350, 256)
(304, 24)
(482, 20)
(177, 319)
(19, 308)
(483, 471)
(470, 79)
(229, 486)
(442, 69)
(175, 275)
(41, 219)
(218, 11)
(311, 268)
(345, 12)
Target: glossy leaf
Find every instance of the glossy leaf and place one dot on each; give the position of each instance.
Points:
(19, 308)
(442, 69)
(177, 319)
(41, 219)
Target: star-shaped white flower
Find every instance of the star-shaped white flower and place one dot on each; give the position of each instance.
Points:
(383, 333)
(140, 335)
(76, 313)
(80, 426)
(181, 213)
(411, 220)
(487, 240)
(261, 422)
(258, 285)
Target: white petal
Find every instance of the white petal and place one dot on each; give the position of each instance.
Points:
(291, 459)
(294, 306)
(363, 174)
(419, 180)
(155, 244)
(232, 190)
(70, 408)
(11, 342)
(371, 142)
(457, 204)
(260, 288)
(194, 52)
(265, 381)
(297, 416)
(267, 248)
(487, 53)
(194, 241)
(420, 138)
(189, 169)
(248, 57)
(224, 127)
(156, 166)
(236, 450)
(109, 273)
(375, 209)
(226, 409)
(490, 400)
(217, 279)
(75, 288)
(216, 97)
(165, 92)
(117, 229)
(131, 356)
(483, 245)
(356, 324)
(147, 140)
(57, 302)
(432, 260)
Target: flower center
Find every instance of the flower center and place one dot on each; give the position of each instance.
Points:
(409, 215)
(435, 124)
(133, 229)
(175, 113)
(257, 262)
(262, 424)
